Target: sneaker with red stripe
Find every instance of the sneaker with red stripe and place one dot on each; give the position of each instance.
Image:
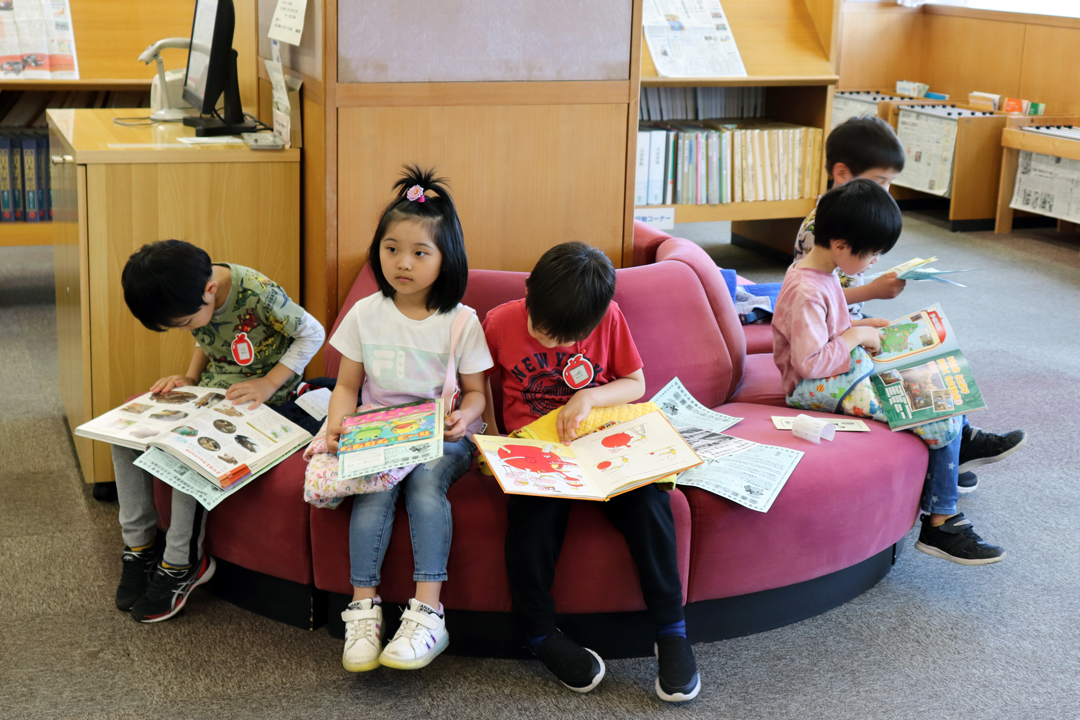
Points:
(169, 590)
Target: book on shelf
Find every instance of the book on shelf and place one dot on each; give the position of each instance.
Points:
(381, 439)
(700, 103)
(598, 466)
(920, 375)
(197, 426)
(733, 160)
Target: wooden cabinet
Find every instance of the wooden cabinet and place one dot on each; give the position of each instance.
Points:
(116, 188)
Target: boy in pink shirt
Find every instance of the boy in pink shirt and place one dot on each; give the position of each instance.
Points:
(815, 342)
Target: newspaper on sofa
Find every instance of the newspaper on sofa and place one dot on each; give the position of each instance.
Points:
(196, 426)
(745, 472)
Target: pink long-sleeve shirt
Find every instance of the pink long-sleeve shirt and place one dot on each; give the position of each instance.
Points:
(811, 315)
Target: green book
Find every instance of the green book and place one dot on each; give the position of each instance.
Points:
(920, 375)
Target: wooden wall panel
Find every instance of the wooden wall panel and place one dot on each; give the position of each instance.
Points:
(525, 178)
(961, 55)
(109, 36)
(1051, 59)
(879, 48)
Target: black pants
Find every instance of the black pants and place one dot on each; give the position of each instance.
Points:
(534, 540)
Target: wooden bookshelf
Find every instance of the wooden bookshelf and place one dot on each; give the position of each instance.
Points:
(787, 47)
(1013, 140)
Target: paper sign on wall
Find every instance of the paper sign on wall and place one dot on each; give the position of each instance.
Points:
(282, 110)
(287, 24)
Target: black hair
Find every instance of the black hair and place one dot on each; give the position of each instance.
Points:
(569, 291)
(438, 209)
(864, 143)
(165, 281)
(861, 213)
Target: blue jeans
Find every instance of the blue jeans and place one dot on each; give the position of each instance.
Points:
(430, 524)
(940, 491)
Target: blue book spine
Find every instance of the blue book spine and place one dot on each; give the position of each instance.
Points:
(30, 195)
(16, 178)
(7, 212)
(43, 176)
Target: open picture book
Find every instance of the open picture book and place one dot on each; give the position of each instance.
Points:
(598, 466)
(920, 375)
(377, 440)
(222, 442)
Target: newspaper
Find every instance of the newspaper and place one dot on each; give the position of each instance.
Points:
(683, 410)
(740, 470)
(691, 38)
(929, 141)
(172, 472)
(1047, 185)
(37, 40)
(752, 477)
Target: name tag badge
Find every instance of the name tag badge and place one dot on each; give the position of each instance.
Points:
(242, 351)
(578, 372)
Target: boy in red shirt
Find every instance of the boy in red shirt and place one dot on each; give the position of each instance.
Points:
(567, 345)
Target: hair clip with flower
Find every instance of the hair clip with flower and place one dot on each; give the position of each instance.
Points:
(415, 193)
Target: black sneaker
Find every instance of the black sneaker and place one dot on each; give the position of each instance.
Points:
(135, 576)
(955, 540)
(978, 447)
(169, 589)
(677, 679)
(578, 668)
(967, 482)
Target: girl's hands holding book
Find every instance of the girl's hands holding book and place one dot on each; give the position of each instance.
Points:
(166, 384)
(454, 428)
(333, 436)
(867, 336)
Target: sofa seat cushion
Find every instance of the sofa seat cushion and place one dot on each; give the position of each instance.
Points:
(595, 572)
(264, 527)
(761, 383)
(847, 500)
(758, 338)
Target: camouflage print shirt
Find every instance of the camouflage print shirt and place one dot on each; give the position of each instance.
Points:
(250, 333)
(804, 243)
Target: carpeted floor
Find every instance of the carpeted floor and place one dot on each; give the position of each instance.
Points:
(932, 639)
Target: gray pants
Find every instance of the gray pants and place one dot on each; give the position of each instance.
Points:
(139, 516)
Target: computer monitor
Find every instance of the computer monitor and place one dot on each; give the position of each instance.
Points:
(211, 71)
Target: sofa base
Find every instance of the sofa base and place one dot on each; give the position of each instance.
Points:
(289, 602)
(631, 634)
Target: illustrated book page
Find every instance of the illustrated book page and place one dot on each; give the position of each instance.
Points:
(378, 440)
(598, 466)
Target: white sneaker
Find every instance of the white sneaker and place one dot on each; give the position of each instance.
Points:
(420, 638)
(363, 636)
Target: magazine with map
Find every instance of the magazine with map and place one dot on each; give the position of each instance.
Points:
(920, 375)
(598, 466)
(222, 442)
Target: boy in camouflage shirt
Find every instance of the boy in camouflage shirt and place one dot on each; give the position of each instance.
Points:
(251, 341)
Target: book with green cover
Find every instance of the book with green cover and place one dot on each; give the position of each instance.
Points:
(920, 375)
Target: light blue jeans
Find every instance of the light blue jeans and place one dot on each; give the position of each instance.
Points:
(940, 490)
(430, 523)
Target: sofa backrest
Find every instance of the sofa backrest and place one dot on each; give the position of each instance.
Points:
(646, 241)
(666, 306)
(719, 297)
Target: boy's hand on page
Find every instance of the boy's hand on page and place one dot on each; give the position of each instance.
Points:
(573, 414)
(887, 286)
(871, 340)
(333, 435)
(870, 322)
(255, 391)
(166, 384)
(454, 428)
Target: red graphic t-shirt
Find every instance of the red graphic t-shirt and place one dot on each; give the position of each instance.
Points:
(531, 375)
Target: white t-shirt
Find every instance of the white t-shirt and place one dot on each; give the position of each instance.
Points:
(404, 359)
